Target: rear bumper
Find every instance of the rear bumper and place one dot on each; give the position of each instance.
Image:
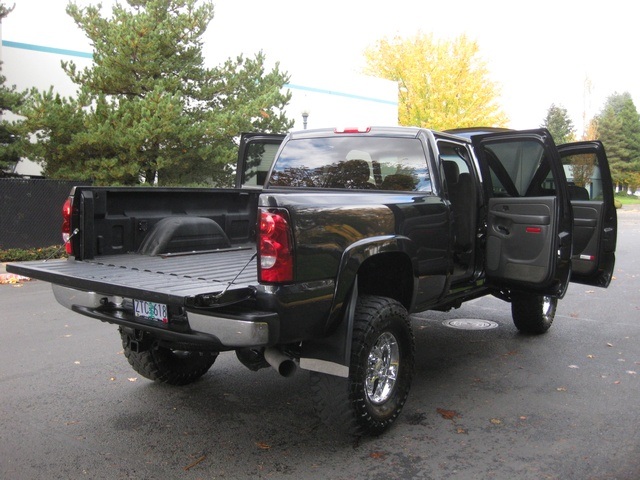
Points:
(213, 329)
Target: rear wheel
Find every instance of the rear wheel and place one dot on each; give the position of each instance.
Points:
(166, 365)
(380, 371)
(533, 314)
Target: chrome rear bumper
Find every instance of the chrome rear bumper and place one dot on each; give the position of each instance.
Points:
(229, 331)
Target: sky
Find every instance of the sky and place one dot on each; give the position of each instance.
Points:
(571, 53)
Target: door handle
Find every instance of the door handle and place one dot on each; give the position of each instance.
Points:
(502, 229)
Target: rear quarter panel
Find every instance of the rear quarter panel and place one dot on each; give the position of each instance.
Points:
(335, 232)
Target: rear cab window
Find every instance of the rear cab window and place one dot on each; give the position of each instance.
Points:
(353, 162)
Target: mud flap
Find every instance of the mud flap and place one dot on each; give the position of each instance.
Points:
(331, 354)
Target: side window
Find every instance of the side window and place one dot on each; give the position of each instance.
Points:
(259, 158)
(519, 169)
(583, 176)
(455, 160)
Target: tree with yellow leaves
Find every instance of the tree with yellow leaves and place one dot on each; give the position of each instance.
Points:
(442, 84)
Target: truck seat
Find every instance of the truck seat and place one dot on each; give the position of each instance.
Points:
(353, 174)
(398, 181)
(463, 204)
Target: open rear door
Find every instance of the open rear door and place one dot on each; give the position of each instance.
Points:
(529, 222)
(256, 154)
(594, 214)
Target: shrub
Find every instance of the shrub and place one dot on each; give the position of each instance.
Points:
(21, 255)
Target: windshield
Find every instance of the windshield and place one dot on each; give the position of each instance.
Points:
(361, 163)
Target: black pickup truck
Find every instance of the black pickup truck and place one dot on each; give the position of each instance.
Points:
(326, 245)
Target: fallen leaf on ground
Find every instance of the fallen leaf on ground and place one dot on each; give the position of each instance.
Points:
(561, 389)
(496, 421)
(263, 446)
(193, 464)
(376, 454)
(133, 379)
(11, 279)
(448, 414)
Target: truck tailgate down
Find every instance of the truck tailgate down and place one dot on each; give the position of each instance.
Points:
(168, 279)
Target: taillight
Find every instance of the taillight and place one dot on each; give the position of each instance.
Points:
(66, 225)
(275, 255)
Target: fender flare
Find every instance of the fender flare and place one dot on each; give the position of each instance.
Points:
(353, 258)
(331, 354)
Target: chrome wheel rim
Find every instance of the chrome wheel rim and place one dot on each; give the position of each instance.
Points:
(547, 307)
(382, 368)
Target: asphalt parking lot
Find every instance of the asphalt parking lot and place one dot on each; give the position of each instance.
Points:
(485, 404)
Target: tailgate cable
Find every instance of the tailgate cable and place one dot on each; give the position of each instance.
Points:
(56, 252)
(218, 296)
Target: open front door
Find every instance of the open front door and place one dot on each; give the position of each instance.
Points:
(528, 242)
(256, 154)
(594, 214)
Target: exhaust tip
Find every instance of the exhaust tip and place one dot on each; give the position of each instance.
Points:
(284, 365)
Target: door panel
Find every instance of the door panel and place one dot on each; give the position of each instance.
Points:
(586, 218)
(595, 219)
(529, 221)
(520, 243)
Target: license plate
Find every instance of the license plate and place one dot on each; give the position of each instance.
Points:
(151, 311)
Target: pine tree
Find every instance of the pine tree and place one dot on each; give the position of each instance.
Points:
(147, 110)
(618, 126)
(10, 101)
(559, 124)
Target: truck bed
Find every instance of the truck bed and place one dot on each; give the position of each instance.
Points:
(168, 279)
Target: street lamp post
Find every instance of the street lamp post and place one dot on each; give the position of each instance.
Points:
(305, 116)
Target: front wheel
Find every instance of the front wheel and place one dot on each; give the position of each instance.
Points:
(380, 371)
(533, 314)
(166, 365)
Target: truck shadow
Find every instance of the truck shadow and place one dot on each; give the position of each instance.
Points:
(244, 422)
(488, 403)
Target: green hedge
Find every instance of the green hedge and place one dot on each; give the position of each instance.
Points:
(21, 255)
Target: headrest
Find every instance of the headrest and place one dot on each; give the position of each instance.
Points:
(356, 169)
(451, 172)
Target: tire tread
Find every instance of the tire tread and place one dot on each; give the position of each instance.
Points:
(338, 401)
(161, 365)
